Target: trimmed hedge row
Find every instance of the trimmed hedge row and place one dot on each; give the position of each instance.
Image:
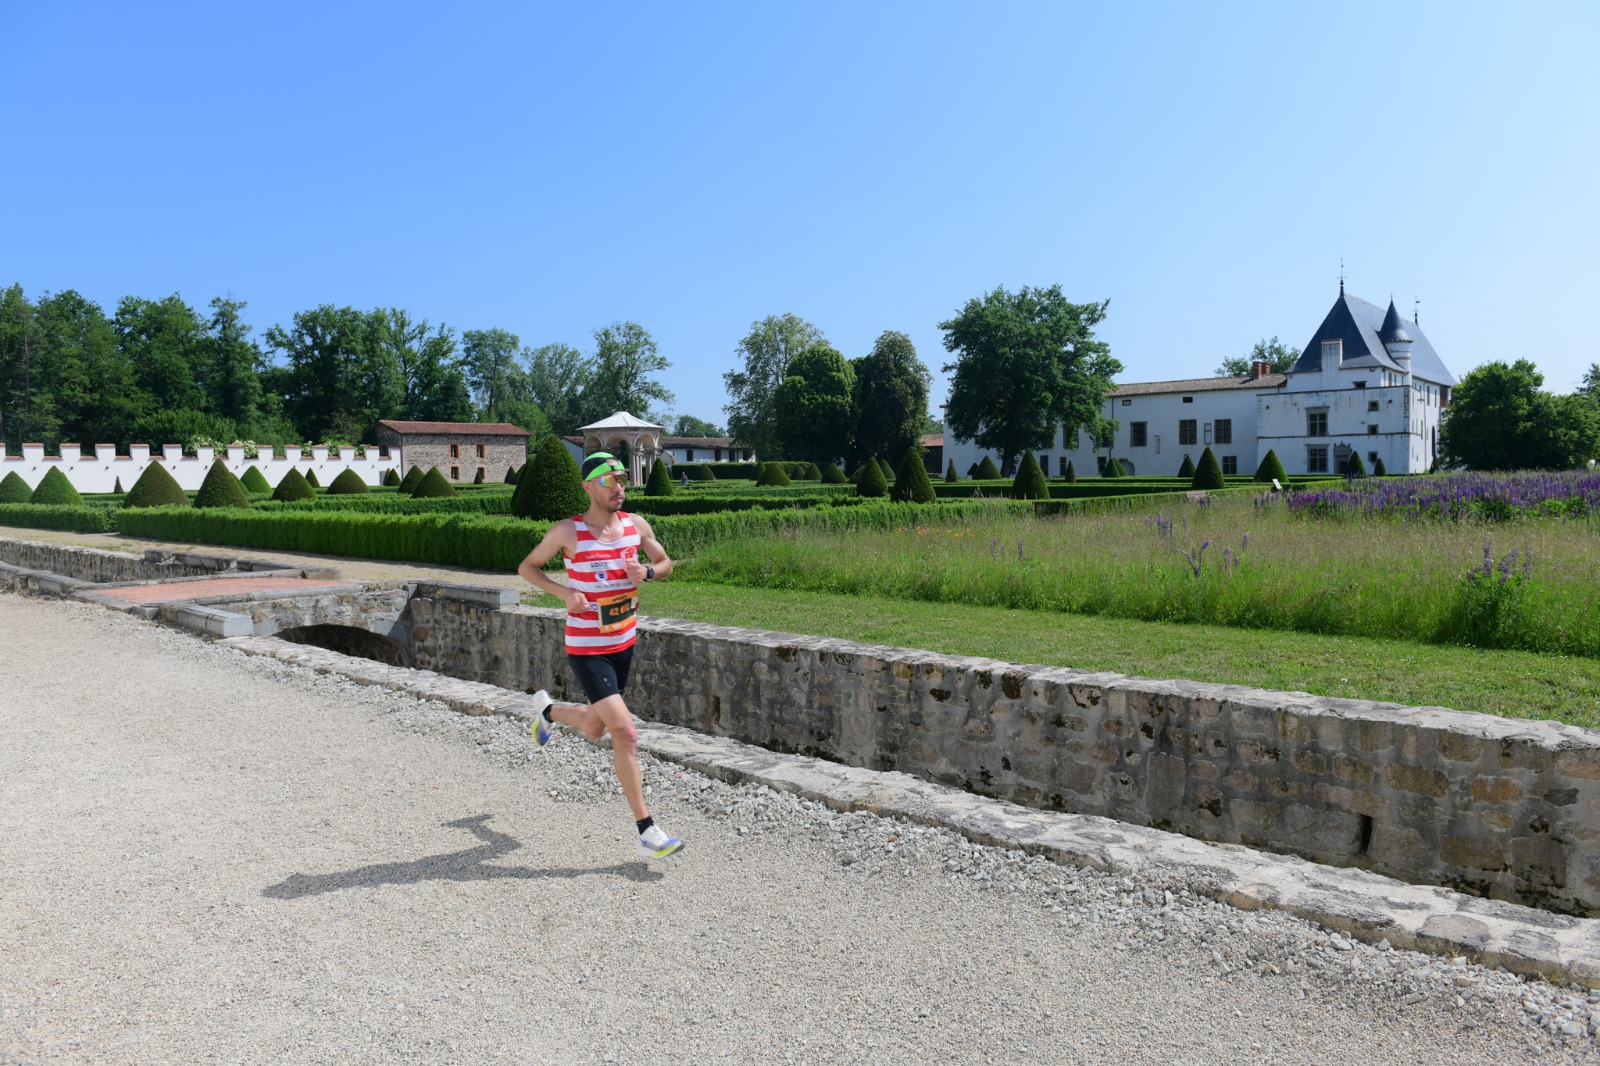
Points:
(475, 503)
(738, 471)
(649, 506)
(52, 516)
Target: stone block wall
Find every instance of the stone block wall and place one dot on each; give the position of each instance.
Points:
(92, 564)
(1497, 807)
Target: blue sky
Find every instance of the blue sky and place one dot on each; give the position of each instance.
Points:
(552, 168)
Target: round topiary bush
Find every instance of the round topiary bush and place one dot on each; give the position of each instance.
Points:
(812, 473)
(413, 478)
(1208, 472)
(14, 490)
(1186, 468)
(1071, 475)
(1113, 468)
(254, 481)
(1271, 469)
(156, 488)
(348, 483)
(872, 483)
(1030, 482)
(311, 479)
(950, 475)
(221, 488)
(987, 471)
(391, 478)
(433, 486)
(54, 488)
(548, 488)
(1354, 467)
(1377, 468)
(832, 475)
(659, 483)
(911, 484)
(294, 487)
(702, 472)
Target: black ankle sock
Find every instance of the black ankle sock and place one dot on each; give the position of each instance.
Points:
(645, 823)
(545, 714)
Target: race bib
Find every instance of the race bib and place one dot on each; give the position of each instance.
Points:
(616, 611)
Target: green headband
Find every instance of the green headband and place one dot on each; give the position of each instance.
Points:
(612, 465)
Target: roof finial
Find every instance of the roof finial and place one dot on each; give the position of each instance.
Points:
(1341, 275)
(1416, 310)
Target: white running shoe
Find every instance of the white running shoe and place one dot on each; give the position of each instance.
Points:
(655, 844)
(543, 728)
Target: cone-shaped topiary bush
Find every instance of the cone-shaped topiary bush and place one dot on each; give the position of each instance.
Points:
(1030, 483)
(773, 474)
(511, 475)
(433, 486)
(987, 471)
(950, 475)
(348, 483)
(1186, 468)
(1207, 472)
(54, 488)
(155, 488)
(255, 481)
(701, 472)
(872, 482)
(221, 488)
(659, 483)
(911, 484)
(832, 475)
(1113, 468)
(1071, 475)
(311, 479)
(477, 478)
(116, 486)
(391, 478)
(1377, 468)
(294, 487)
(1270, 468)
(812, 473)
(14, 490)
(413, 478)
(548, 488)
(1353, 468)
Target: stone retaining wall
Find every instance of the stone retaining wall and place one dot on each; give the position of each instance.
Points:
(93, 564)
(1503, 808)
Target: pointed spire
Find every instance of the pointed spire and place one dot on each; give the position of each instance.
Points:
(1393, 330)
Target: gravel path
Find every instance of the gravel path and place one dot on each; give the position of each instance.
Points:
(212, 857)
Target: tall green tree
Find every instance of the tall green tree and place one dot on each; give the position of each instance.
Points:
(1027, 363)
(233, 377)
(1281, 356)
(90, 385)
(891, 397)
(165, 343)
(766, 352)
(558, 375)
(433, 384)
(625, 358)
(815, 407)
(489, 358)
(19, 347)
(1590, 388)
(342, 379)
(690, 426)
(1499, 419)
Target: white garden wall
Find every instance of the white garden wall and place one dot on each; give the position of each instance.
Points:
(101, 471)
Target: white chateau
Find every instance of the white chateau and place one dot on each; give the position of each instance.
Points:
(1368, 382)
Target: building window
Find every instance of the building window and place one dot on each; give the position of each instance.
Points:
(1127, 403)
(1332, 353)
(1317, 424)
(688, 455)
(1230, 464)
(1044, 465)
(1372, 405)
(455, 451)
(483, 474)
(1188, 399)
(1317, 460)
(1137, 434)
(383, 451)
(1063, 462)
(1372, 430)
(1224, 431)
(1372, 459)
(455, 471)
(1358, 384)
(716, 453)
(480, 451)
(1188, 431)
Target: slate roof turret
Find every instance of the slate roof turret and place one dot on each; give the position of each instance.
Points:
(1393, 330)
(1358, 323)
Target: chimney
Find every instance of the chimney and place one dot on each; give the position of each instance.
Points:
(1260, 368)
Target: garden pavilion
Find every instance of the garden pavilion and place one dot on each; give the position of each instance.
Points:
(622, 434)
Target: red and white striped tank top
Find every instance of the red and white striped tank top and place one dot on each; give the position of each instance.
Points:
(596, 569)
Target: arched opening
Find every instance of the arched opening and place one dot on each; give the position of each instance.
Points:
(349, 640)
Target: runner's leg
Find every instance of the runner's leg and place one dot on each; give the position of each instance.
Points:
(579, 717)
(624, 751)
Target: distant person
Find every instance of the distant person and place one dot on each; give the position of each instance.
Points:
(683, 478)
(601, 551)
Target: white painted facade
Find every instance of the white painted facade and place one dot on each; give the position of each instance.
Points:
(102, 471)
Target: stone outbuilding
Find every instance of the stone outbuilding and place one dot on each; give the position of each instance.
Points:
(459, 449)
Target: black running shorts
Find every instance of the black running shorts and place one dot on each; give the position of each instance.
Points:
(602, 675)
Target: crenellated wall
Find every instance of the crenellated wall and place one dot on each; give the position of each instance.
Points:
(102, 471)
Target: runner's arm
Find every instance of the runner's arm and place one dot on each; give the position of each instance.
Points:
(652, 550)
(563, 536)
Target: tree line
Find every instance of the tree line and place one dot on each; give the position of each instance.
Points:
(162, 371)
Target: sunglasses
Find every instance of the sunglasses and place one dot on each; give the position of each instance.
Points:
(611, 481)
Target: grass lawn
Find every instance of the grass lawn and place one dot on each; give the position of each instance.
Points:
(1507, 683)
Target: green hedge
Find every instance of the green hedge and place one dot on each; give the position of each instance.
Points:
(476, 503)
(51, 516)
(650, 506)
(739, 471)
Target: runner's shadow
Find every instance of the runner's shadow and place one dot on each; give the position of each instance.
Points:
(468, 865)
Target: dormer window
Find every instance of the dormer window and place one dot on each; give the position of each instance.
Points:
(1332, 353)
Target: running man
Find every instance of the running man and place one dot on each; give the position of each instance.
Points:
(601, 551)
